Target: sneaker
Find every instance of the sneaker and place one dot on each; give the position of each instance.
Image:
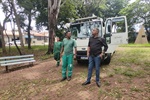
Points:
(86, 83)
(98, 84)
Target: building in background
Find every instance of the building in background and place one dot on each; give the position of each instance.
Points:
(37, 38)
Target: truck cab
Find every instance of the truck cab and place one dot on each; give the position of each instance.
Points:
(82, 30)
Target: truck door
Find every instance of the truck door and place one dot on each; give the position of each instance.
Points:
(118, 32)
(108, 30)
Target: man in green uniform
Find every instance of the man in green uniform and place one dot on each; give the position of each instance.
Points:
(57, 49)
(67, 58)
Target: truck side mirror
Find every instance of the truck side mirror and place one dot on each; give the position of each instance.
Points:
(109, 28)
(103, 24)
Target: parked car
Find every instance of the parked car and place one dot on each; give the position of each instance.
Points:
(12, 42)
(18, 42)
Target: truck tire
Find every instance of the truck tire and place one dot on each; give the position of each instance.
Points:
(107, 59)
(79, 61)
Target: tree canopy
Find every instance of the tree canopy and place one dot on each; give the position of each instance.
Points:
(138, 12)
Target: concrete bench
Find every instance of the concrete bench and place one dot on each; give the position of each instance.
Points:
(13, 60)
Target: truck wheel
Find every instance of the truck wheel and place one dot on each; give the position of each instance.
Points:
(79, 61)
(107, 59)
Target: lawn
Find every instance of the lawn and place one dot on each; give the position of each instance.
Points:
(38, 51)
(135, 45)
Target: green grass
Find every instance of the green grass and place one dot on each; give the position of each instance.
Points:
(135, 89)
(83, 74)
(38, 51)
(44, 57)
(129, 72)
(135, 45)
(138, 56)
(114, 92)
(107, 83)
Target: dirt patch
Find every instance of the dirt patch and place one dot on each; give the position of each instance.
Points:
(31, 75)
(84, 95)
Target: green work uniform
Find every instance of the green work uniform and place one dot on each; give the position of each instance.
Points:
(67, 59)
(57, 49)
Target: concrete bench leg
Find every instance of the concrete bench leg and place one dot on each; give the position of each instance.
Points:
(31, 63)
(6, 68)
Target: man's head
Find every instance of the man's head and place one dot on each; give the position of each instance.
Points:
(68, 34)
(95, 31)
(58, 39)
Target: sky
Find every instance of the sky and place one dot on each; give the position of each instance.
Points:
(131, 1)
(2, 16)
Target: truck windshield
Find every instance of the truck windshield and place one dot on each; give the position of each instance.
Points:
(83, 30)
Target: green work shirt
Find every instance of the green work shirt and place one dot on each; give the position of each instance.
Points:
(57, 47)
(68, 45)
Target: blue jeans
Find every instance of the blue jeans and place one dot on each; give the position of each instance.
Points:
(94, 61)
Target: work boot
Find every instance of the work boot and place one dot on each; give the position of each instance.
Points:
(63, 79)
(69, 78)
(57, 64)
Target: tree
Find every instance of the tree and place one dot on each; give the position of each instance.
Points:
(113, 8)
(42, 16)
(86, 8)
(67, 12)
(7, 12)
(2, 39)
(53, 11)
(29, 10)
(138, 12)
(18, 23)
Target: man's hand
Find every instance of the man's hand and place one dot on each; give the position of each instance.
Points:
(102, 54)
(61, 52)
(88, 52)
(74, 56)
(88, 55)
(61, 55)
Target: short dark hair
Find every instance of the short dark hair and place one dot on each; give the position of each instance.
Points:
(97, 30)
(67, 32)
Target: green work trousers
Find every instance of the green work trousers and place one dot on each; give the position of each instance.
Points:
(67, 64)
(57, 57)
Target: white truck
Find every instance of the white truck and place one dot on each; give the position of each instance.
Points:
(114, 30)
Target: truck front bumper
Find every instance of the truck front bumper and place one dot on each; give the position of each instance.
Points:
(81, 55)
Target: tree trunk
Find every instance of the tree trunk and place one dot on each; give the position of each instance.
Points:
(51, 33)
(29, 28)
(18, 24)
(146, 25)
(8, 40)
(2, 39)
(13, 31)
(53, 11)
